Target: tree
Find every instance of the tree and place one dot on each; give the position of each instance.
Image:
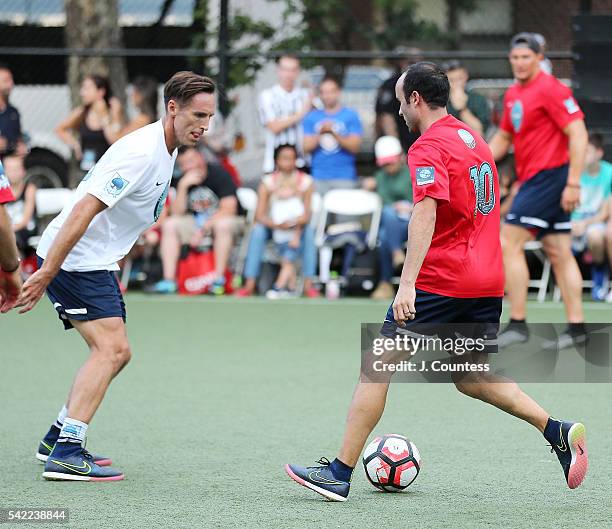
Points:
(94, 25)
(245, 34)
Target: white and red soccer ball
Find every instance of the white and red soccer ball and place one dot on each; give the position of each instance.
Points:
(391, 462)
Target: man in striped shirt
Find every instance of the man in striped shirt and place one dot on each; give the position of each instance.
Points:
(281, 110)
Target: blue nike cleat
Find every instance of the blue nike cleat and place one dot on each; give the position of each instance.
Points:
(568, 441)
(46, 446)
(321, 480)
(73, 463)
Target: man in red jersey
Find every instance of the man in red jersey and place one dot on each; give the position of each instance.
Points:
(10, 278)
(452, 274)
(545, 124)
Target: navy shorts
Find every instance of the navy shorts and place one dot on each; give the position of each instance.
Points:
(85, 296)
(537, 205)
(446, 317)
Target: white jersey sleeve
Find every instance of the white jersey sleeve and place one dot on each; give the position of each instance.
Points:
(118, 177)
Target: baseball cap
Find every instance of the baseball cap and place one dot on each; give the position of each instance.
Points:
(526, 40)
(387, 149)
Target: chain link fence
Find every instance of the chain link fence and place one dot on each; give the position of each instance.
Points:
(161, 37)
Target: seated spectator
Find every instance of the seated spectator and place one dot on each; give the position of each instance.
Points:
(392, 182)
(91, 127)
(205, 206)
(466, 105)
(288, 192)
(144, 99)
(22, 211)
(588, 219)
(285, 158)
(333, 137)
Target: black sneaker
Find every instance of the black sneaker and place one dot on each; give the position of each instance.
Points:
(515, 332)
(320, 479)
(568, 441)
(45, 448)
(71, 462)
(571, 337)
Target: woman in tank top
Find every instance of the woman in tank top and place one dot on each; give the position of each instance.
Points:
(93, 126)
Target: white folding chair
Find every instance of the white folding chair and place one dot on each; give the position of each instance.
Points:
(350, 202)
(49, 202)
(248, 200)
(542, 283)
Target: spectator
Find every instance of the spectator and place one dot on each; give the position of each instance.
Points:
(544, 123)
(333, 136)
(281, 110)
(285, 157)
(285, 208)
(10, 123)
(588, 219)
(205, 206)
(392, 182)
(545, 64)
(95, 122)
(23, 210)
(10, 275)
(144, 99)
(466, 105)
(389, 122)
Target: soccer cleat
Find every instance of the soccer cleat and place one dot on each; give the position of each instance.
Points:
(568, 441)
(515, 332)
(567, 338)
(320, 479)
(73, 463)
(46, 446)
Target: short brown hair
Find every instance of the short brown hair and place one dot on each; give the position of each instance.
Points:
(182, 86)
(596, 140)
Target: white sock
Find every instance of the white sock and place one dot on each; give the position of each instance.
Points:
(61, 417)
(73, 431)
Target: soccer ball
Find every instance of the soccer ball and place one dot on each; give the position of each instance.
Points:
(391, 462)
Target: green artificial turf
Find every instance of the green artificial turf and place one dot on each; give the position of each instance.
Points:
(221, 393)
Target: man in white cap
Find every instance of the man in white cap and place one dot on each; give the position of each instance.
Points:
(392, 182)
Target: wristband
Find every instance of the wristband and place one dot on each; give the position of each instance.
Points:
(577, 186)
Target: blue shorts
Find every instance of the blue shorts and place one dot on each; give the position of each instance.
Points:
(85, 296)
(446, 316)
(537, 205)
(287, 253)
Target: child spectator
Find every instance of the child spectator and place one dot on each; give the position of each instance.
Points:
(392, 182)
(588, 219)
(22, 211)
(284, 207)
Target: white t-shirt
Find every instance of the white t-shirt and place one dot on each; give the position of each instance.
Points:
(276, 103)
(132, 179)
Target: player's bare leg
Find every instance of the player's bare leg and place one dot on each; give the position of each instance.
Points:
(567, 439)
(365, 411)
(170, 247)
(513, 240)
(109, 353)
(559, 250)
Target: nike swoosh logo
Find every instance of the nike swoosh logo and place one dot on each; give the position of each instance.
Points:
(314, 476)
(86, 467)
(160, 183)
(563, 446)
(581, 450)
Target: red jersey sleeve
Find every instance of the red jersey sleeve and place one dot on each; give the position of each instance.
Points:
(505, 123)
(428, 173)
(561, 105)
(6, 195)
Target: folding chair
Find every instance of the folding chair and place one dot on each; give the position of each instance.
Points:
(49, 202)
(349, 202)
(542, 283)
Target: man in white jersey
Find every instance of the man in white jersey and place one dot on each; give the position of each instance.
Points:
(117, 200)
